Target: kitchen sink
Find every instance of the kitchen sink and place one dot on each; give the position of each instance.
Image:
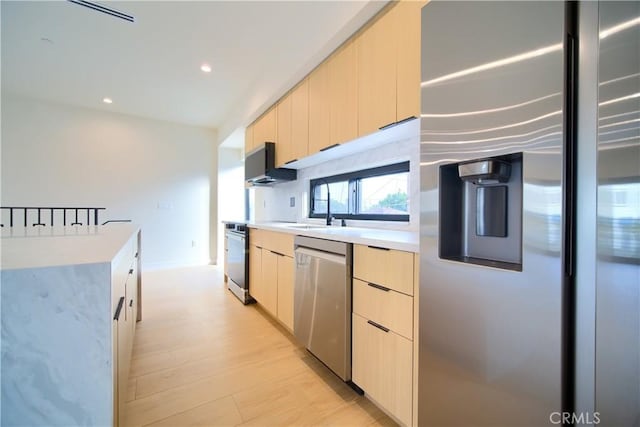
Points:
(306, 226)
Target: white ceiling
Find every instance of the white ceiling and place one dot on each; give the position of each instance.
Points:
(151, 68)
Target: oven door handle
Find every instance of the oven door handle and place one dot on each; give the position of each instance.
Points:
(235, 236)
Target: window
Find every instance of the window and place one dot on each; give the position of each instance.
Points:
(377, 194)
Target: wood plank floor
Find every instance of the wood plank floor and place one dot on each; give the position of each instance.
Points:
(201, 358)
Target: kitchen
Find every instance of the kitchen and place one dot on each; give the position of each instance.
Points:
(481, 357)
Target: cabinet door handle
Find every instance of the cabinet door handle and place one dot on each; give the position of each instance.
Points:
(379, 248)
(119, 309)
(276, 253)
(377, 325)
(382, 288)
(131, 303)
(291, 161)
(405, 120)
(136, 255)
(329, 147)
(387, 126)
(131, 271)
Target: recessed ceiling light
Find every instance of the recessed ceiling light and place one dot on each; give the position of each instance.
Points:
(206, 68)
(107, 100)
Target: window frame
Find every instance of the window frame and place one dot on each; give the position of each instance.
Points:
(352, 179)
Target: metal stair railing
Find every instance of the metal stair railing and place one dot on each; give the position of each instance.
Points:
(91, 213)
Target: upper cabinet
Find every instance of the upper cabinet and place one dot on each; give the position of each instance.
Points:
(248, 138)
(389, 68)
(319, 113)
(377, 47)
(300, 121)
(292, 142)
(264, 129)
(343, 94)
(371, 81)
(283, 139)
(408, 69)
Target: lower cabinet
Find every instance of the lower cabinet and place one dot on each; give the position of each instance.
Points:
(269, 298)
(285, 290)
(125, 299)
(271, 273)
(383, 366)
(383, 328)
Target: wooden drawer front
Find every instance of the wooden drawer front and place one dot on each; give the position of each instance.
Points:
(256, 237)
(281, 243)
(387, 267)
(382, 367)
(385, 307)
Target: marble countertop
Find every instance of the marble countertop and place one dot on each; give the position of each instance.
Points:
(36, 247)
(393, 239)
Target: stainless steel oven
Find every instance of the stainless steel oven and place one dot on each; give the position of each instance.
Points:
(237, 253)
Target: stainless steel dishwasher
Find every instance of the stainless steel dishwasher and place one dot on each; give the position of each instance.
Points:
(322, 301)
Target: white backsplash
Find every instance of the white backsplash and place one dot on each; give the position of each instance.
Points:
(273, 203)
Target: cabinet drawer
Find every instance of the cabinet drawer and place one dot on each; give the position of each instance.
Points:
(281, 243)
(382, 367)
(385, 307)
(387, 267)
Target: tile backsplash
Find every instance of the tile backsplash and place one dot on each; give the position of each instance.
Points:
(274, 203)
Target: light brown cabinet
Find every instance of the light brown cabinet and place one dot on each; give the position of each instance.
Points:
(371, 81)
(292, 142)
(408, 69)
(269, 297)
(271, 273)
(377, 47)
(300, 121)
(389, 68)
(125, 295)
(283, 140)
(386, 307)
(387, 267)
(383, 367)
(319, 112)
(343, 94)
(383, 327)
(285, 290)
(264, 129)
(248, 139)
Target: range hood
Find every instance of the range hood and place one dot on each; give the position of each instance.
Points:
(260, 167)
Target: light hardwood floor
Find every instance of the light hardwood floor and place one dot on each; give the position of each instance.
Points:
(201, 358)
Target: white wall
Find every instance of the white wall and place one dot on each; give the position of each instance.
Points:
(273, 203)
(230, 191)
(160, 175)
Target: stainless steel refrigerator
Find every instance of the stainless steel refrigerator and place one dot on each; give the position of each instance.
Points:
(530, 225)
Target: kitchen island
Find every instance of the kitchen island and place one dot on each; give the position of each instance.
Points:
(70, 301)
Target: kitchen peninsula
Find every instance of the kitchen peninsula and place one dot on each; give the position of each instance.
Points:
(70, 301)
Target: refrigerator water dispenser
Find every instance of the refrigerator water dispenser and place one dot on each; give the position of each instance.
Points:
(481, 212)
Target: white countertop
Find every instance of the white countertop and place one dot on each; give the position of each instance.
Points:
(393, 239)
(36, 247)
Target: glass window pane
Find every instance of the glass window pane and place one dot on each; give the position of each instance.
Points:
(385, 195)
(339, 198)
